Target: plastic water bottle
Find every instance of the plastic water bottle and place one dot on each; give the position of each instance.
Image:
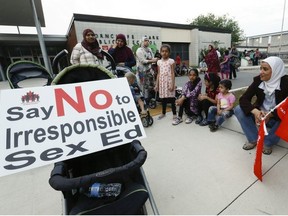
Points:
(100, 190)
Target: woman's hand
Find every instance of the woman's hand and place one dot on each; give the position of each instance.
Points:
(258, 115)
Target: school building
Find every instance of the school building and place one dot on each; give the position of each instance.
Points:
(187, 40)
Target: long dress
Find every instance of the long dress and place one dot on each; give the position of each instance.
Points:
(165, 78)
(212, 61)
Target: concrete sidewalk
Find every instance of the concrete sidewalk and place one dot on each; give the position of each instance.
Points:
(189, 169)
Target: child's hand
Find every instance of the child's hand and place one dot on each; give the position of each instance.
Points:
(202, 97)
(219, 112)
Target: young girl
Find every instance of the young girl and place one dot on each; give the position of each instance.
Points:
(224, 109)
(165, 82)
(189, 98)
(225, 65)
(208, 99)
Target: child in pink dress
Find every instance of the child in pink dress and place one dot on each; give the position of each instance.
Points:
(224, 108)
(165, 82)
(225, 66)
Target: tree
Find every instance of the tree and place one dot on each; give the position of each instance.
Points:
(224, 22)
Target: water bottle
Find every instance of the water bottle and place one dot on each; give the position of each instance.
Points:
(100, 190)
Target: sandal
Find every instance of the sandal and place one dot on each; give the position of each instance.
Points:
(143, 114)
(249, 145)
(267, 150)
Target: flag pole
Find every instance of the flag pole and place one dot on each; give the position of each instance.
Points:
(283, 18)
(272, 110)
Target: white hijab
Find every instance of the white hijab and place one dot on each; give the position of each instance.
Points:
(278, 71)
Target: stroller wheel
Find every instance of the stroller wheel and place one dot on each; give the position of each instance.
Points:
(152, 104)
(150, 120)
(145, 121)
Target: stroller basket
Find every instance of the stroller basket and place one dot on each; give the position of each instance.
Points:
(71, 175)
(59, 180)
(23, 70)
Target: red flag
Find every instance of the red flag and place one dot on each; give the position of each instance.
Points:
(260, 142)
(282, 130)
(282, 109)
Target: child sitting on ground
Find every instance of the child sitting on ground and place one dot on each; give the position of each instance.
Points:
(206, 100)
(189, 98)
(131, 78)
(224, 109)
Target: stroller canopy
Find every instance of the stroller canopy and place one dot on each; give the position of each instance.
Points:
(23, 70)
(82, 73)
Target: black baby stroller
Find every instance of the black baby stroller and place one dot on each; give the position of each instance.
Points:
(120, 164)
(20, 72)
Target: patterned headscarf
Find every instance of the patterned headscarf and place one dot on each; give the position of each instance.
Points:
(94, 47)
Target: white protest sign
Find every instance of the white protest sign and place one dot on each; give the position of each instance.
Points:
(43, 125)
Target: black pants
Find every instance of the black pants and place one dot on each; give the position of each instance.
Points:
(232, 71)
(164, 105)
(204, 106)
(185, 106)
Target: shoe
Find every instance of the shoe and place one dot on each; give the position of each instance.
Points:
(203, 122)
(211, 125)
(177, 121)
(214, 128)
(249, 145)
(189, 120)
(198, 120)
(267, 150)
(161, 116)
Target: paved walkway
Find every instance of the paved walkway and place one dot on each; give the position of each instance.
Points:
(189, 169)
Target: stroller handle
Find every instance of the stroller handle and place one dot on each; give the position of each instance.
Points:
(60, 181)
(56, 60)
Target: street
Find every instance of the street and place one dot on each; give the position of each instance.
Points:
(244, 78)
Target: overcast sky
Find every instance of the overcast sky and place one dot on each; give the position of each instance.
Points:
(253, 16)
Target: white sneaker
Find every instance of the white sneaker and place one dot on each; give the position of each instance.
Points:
(177, 121)
(189, 120)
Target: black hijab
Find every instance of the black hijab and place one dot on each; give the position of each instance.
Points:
(94, 47)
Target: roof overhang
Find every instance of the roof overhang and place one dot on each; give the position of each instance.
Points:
(29, 39)
(20, 13)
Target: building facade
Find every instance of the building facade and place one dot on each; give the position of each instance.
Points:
(187, 40)
(272, 43)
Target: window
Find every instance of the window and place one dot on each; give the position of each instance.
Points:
(181, 48)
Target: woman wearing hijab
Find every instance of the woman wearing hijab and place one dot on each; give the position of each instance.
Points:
(212, 60)
(266, 91)
(145, 78)
(121, 53)
(88, 51)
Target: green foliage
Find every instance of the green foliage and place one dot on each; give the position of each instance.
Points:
(224, 22)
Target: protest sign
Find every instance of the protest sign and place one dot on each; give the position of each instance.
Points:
(44, 125)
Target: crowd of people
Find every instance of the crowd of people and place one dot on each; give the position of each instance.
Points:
(157, 73)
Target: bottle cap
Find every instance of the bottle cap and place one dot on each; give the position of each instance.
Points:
(94, 190)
